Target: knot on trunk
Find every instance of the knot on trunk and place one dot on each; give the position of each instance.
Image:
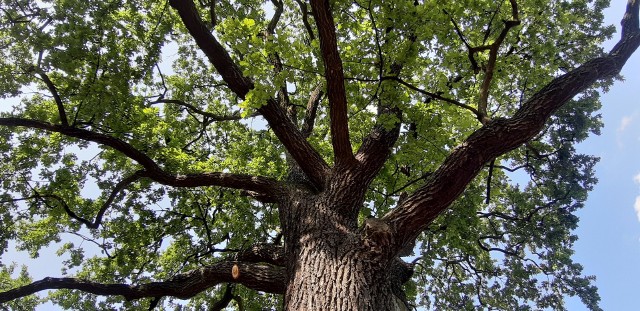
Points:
(377, 235)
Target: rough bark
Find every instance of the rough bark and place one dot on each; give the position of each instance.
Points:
(334, 265)
(334, 75)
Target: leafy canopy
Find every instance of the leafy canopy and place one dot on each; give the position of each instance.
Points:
(130, 70)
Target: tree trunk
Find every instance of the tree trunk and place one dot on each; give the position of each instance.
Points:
(333, 265)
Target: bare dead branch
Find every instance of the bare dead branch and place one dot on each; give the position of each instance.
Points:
(262, 277)
(334, 75)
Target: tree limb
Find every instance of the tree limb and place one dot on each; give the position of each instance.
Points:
(56, 96)
(312, 109)
(334, 75)
(224, 301)
(267, 253)
(502, 135)
(305, 19)
(304, 154)
(152, 170)
(215, 52)
(309, 160)
(279, 5)
(98, 219)
(261, 277)
(491, 64)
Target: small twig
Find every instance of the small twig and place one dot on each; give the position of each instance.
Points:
(434, 95)
(488, 198)
(211, 116)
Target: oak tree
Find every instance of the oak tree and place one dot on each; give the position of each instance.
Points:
(303, 155)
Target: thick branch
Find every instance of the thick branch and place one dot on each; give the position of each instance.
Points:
(308, 158)
(152, 170)
(376, 147)
(279, 5)
(261, 277)
(218, 56)
(56, 96)
(630, 20)
(305, 19)
(312, 109)
(334, 75)
(267, 253)
(502, 135)
(224, 301)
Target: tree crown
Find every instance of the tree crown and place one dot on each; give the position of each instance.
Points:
(161, 136)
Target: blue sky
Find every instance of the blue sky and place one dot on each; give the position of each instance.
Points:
(609, 232)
